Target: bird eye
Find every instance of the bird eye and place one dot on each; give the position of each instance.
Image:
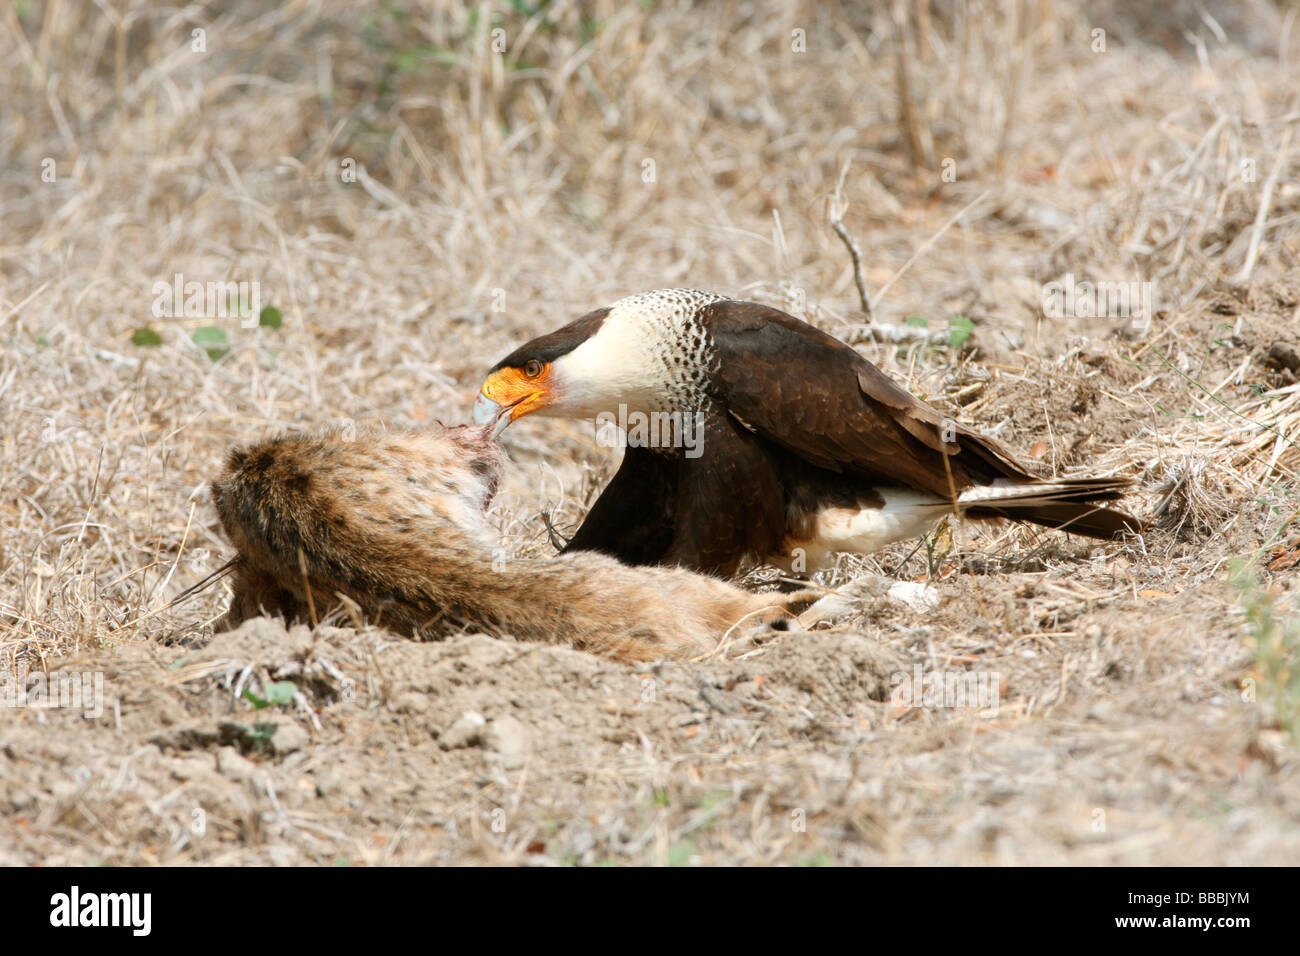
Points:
(533, 368)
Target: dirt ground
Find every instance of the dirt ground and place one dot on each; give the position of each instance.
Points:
(415, 194)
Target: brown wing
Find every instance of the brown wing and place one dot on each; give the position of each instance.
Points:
(707, 513)
(730, 504)
(815, 396)
(632, 520)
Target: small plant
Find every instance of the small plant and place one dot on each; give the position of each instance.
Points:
(1276, 645)
(211, 340)
(820, 858)
(938, 546)
(679, 854)
(278, 694)
(959, 330)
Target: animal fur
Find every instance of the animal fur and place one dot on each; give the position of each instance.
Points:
(393, 525)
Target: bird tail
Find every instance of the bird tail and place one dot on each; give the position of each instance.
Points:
(1069, 504)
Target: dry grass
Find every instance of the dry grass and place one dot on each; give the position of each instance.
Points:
(614, 148)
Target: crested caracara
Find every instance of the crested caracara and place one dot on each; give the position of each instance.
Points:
(768, 440)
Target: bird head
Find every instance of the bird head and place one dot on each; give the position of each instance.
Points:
(568, 373)
(612, 358)
(512, 391)
(540, 376)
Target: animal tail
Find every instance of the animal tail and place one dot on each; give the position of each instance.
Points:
(1069, 504)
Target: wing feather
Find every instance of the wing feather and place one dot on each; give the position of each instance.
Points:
(815, 396)
(730, 502)
(633, 519)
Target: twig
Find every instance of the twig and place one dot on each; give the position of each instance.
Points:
(1257, 231)
(180, 549)
(17, 308)
(557, 540)
(306, 586)
(920, 142)
(838, 208)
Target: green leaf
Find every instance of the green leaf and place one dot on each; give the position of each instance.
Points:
(917, 321)
(820, 858)
(959, 330)
(257, 702)
(405, 61)
(280, 693)
(42, 341)
(257, 737)
(270, 318)
(146, 338)
(681, 854)
(212, 340)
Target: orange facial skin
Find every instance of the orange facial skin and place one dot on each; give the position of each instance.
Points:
(514, 389)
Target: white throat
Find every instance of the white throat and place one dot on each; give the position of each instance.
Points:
(650, 354)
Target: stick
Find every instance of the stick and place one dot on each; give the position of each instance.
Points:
(838, 208)
(1257, 232)
(558, 541)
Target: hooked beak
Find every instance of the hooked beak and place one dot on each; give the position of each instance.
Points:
(508, 394)
(492, 416)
